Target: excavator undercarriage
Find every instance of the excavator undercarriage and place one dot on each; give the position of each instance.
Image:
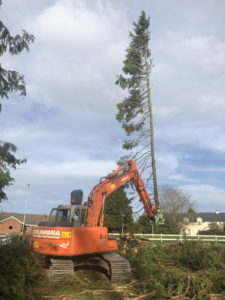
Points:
(115, 267)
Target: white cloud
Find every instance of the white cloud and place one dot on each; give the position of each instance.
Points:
(72, 169)
(50, 184)
(167, 165)
(207, 197)
(205, 136)
(71, 26)
(188, 79)
(204, 52)
(77, 54)
(209, 169)
(66, 126)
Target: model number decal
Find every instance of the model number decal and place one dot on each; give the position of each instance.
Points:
(66, 234)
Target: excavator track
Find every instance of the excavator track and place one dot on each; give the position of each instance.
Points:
(61, 269)
(115, 267)
(119, 267)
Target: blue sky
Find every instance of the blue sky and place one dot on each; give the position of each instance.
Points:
(66, 125)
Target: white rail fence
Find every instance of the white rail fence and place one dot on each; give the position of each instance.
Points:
(176, 237)
(5, 239)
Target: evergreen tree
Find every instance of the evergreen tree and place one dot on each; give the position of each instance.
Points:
(7, 161)
(10, 81)
(118, 211)
(135, 111)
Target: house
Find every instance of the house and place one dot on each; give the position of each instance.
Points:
(194, 222)
(13, 223)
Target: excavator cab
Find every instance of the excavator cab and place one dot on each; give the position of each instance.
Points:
(68, 215)
(59, 214)
(73, 215)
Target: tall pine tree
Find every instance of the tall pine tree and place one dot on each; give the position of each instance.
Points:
(135, 111)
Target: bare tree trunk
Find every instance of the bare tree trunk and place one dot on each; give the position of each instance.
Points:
(154, 176)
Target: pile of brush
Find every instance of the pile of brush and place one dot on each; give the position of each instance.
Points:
(189, 270)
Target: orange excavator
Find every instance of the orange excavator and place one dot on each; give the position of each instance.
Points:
(75, 236)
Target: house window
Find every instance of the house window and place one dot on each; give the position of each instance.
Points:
(10, 227)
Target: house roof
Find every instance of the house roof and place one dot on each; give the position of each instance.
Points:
(206, 217)
(11, 217)
(212, 217)
(30, 219)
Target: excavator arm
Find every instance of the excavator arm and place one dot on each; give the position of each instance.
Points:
(124, 174)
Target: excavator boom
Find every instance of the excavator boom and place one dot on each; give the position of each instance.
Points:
(124, 174)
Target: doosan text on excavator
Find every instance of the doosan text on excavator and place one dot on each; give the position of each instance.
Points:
(75, 235)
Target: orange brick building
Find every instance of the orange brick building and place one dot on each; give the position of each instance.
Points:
(13, 223)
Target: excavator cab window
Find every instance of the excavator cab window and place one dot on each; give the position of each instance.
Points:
(83, 216)
(78, 215)
(59, 216)
(67, 216)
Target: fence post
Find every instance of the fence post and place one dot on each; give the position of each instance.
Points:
(180, 237)
(216, 238)
(161, 237)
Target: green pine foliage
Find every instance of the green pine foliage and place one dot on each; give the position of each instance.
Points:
(7, 161)
(21, 271)
(191, 270)
(10, 80)
(133, 111)
(118, 211)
